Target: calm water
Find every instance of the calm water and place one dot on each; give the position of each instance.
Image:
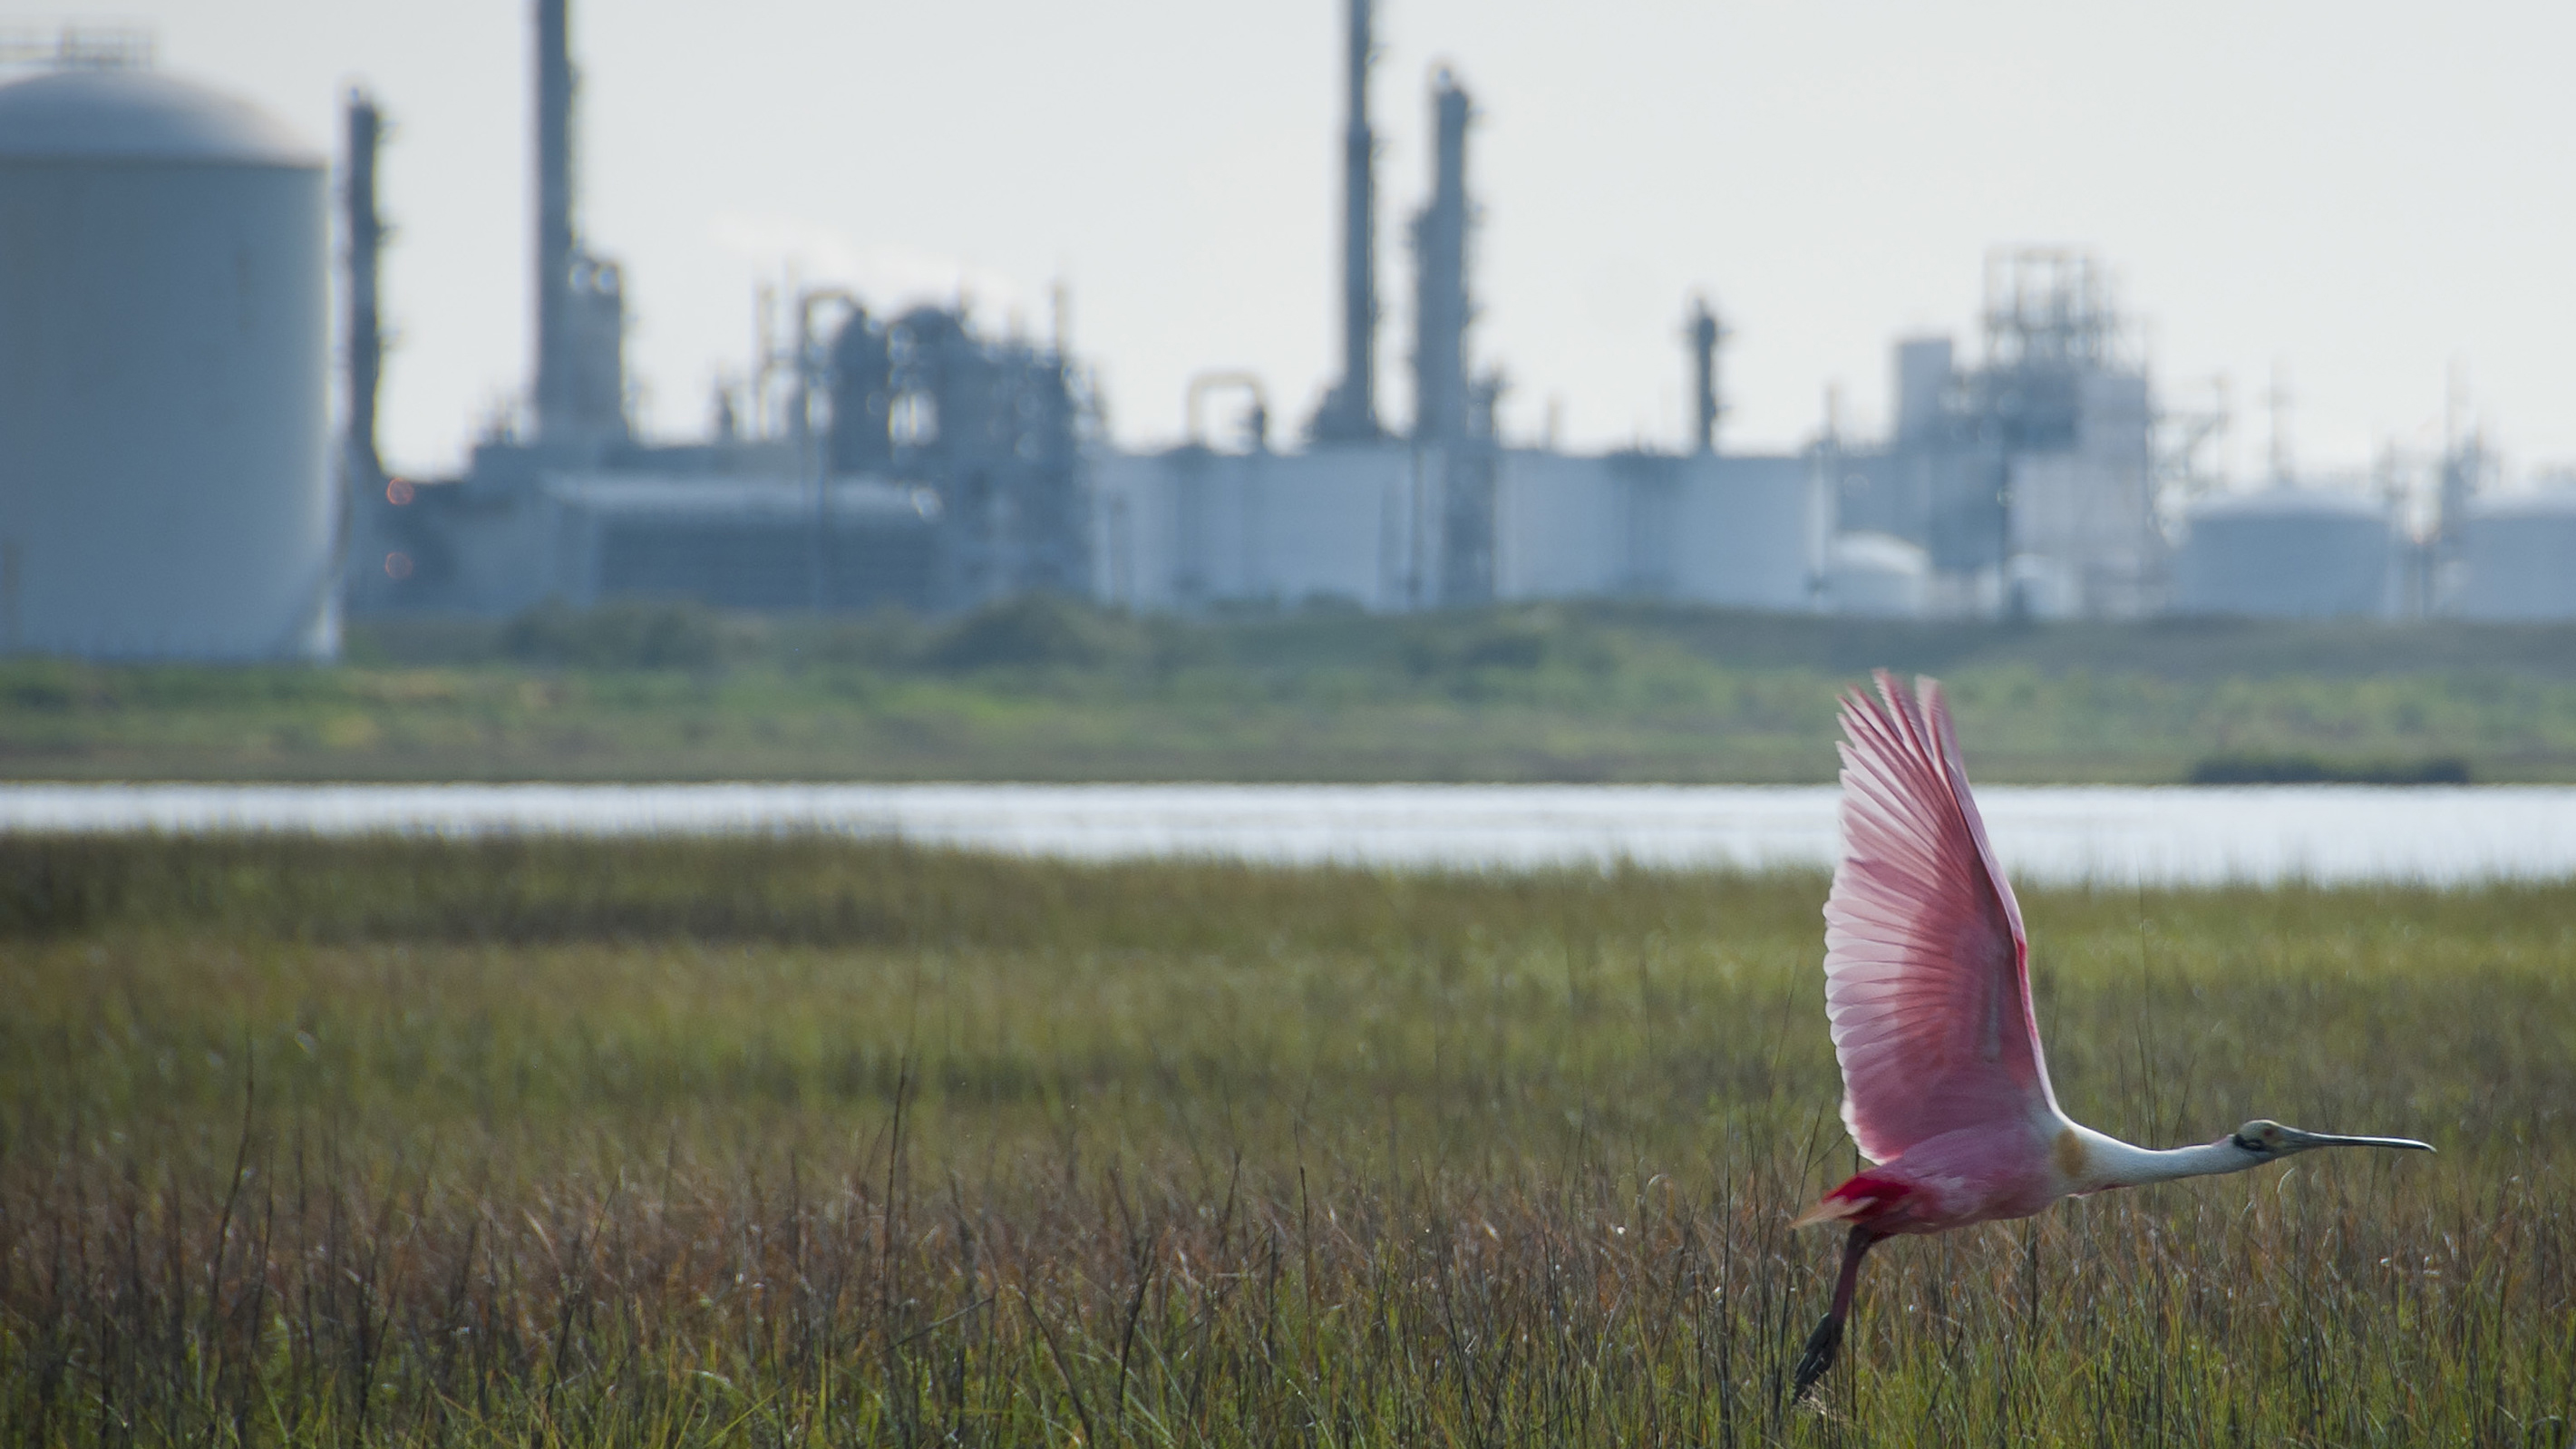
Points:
(2325, 833)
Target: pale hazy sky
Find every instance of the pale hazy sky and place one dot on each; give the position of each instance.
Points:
(2365, 194)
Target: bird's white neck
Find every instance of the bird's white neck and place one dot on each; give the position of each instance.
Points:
(2110, 1162)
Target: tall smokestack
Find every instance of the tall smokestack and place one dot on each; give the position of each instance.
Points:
(581, 296)
(366, 332)
(1453, 415)
(1440, 307)
(1349, 413)
(1705, 333)
(555, 242)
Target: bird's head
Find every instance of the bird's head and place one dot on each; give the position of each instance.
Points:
(2266, 1141)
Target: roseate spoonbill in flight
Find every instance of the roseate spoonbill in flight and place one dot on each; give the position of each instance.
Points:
(1927, 983)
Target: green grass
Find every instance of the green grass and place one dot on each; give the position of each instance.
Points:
(1035, 691)
(802, 1141)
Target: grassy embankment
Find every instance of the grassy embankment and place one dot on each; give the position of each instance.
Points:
(1532, 693)
(805, 1142)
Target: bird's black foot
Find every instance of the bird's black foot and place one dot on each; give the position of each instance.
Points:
(1822, 1345)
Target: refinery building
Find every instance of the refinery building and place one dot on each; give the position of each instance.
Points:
(909, 458)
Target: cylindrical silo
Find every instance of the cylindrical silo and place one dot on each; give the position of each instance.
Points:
(1740, 529)
(2518, 557)
(2286, 553)
(164, 485)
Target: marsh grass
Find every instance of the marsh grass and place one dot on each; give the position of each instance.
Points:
(804, 1141)
(1033, 689)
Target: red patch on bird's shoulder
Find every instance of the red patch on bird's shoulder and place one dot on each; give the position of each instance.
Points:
(1862, 1199)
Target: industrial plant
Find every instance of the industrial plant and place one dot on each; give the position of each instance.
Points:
(903, 460)
(909, 458)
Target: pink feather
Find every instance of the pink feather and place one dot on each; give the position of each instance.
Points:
(1927, 973)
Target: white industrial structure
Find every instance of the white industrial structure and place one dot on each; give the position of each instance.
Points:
(1363, 526)
(164, 479)
(2027, 481)
(2288, 552)
(2517, 557)
(1876, 575)
(1737, 531)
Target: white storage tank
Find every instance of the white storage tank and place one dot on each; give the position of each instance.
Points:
(1745, 532)
(1578, 528)
(1876, 575)
(1190, 529)
(164, 487)
(2518, 557)
(2286, 553)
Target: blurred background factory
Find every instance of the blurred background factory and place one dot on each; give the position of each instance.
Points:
(905, 460)
(171, 264)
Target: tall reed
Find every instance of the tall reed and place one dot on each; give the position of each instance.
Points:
(804, 1141)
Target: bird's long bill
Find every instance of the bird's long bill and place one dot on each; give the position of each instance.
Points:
(2305, 1140)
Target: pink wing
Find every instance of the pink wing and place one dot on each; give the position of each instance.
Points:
(1927, 976)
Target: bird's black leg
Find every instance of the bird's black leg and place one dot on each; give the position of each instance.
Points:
(1827, 1340)
(1822, 1345)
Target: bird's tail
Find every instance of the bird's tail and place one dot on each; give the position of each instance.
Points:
(1862, 1199)
(1831, 1210)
